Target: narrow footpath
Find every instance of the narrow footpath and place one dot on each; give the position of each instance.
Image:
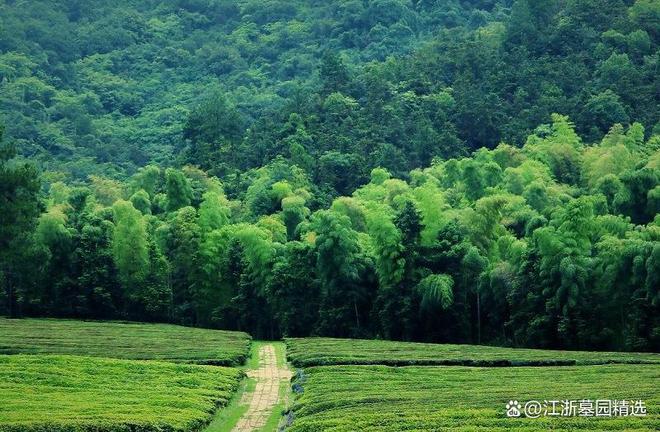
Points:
(263, 395)
(270, 391)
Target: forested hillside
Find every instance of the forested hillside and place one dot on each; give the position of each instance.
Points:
(447, 171)
(89, 86)
(556, 244)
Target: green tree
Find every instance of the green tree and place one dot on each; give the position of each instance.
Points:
(214, 212)
(213, 129)
(646, 13)
(293, 289)
(334, 73)
(339, 269)
(19, 204)
(179, 193)
(436, 292)
(130, 247)
(140, 201)
(472, 267)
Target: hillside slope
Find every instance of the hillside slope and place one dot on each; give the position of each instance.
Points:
(93, 86)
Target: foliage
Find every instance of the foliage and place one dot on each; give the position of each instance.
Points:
(381, 398)
(519, 247)
(96, 87)
(19, 208)
(309, 352)
(221, 164)
(63, 393)
(129, 341)
(436, 290)
(107, 88)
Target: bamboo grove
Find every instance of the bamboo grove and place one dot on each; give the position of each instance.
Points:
(468, 171)
(555, 244)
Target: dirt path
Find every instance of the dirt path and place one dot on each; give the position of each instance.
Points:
(266, 393)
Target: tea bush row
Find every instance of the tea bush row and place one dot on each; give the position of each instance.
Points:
(391, 399)
(54, 393)
(305, 352)
(123, 340)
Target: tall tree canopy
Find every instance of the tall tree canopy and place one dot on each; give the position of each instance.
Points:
(457, 171)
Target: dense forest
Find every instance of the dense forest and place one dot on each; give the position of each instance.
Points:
(482, 171)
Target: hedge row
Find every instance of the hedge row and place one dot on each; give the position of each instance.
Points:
(386, 399)
(40, 393)
(137, 341)
(306, 352)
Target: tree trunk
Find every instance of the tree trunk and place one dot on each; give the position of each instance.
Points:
(478, 318)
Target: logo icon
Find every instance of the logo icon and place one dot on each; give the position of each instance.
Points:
(513, 408)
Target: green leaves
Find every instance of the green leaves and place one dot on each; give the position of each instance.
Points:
(179, 192)
(436, 292)
(388, 247)
(438, 398)
(131, 341)
(336, 245)
(214, 211)
(130, 246)
(560, 151)
(68, 393)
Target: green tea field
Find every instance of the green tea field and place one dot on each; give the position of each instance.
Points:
(70, 393)
(201, 200)
(77, 376)
(135, 341)
(451, 398)
(304, 352)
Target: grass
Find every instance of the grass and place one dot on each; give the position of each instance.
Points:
(225, 419)
(326, 351)
(70, 393)
(135, 341)
(456, 398)
(276, 418)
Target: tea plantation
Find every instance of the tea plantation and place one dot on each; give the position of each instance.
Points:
(70, 393)
(387, 399)
(76, 376)
(327, 351)
(123, 340)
